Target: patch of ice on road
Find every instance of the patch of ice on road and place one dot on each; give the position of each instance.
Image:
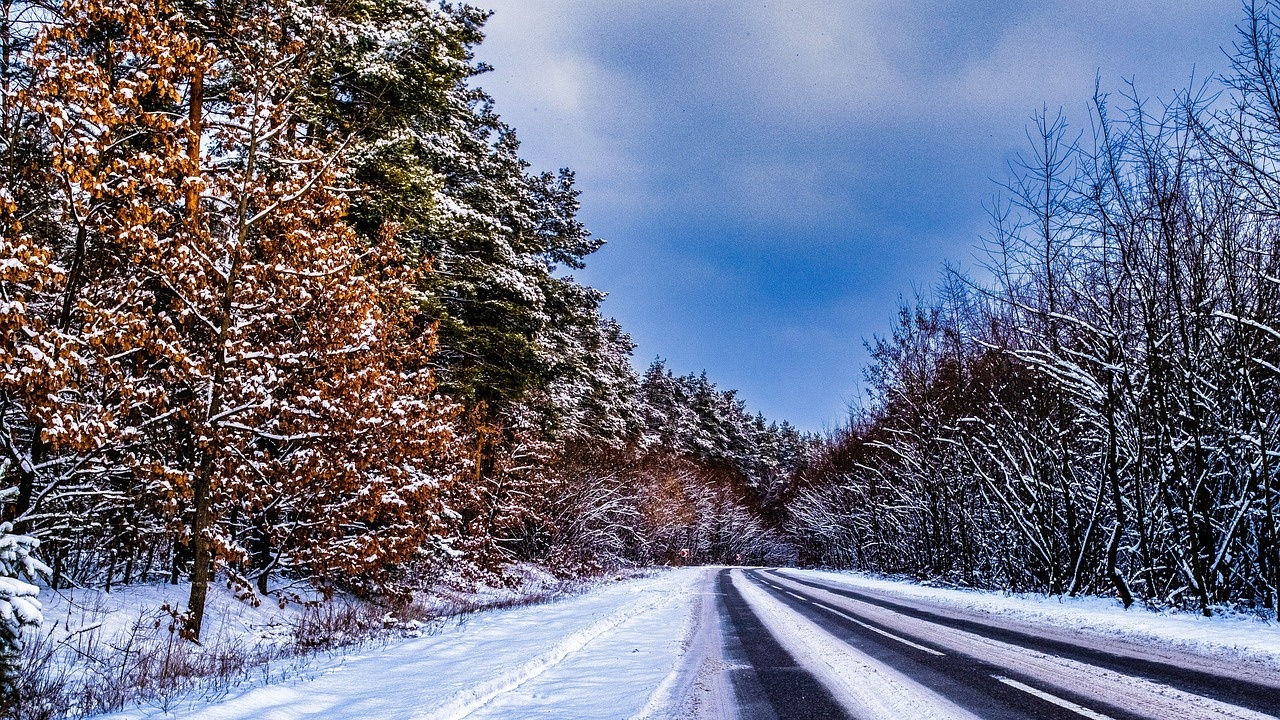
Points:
(1235, 636)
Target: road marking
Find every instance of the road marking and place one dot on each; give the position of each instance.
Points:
(850, 618)
(1077, 709)
(865, 686)
(885, 633)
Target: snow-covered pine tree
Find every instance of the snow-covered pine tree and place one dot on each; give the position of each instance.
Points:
(430, 155)
(19, 605)
(521, 345)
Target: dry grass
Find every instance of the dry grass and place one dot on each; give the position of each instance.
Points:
(91, 671)
(77, 674)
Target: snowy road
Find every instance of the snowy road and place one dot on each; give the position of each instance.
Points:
(881, 657)
(716, 644)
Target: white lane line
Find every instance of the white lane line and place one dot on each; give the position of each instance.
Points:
(1077, 709)
(866, 687)
(1132, 694)
(872, 628)
(885, 633)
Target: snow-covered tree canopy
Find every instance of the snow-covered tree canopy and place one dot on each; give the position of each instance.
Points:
(280, 302)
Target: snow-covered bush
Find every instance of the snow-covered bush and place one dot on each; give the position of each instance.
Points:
(19, 607)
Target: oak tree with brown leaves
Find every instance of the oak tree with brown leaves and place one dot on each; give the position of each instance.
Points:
(257, 369)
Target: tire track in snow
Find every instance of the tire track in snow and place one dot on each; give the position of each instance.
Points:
(1250, 682)
(768, 680)
(967, 682)
(469, 701)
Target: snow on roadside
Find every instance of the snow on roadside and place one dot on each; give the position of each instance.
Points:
(596, 655)
(616, 672)
(1236, 636)
(112, 614)
(1135, 695)
(74, 611)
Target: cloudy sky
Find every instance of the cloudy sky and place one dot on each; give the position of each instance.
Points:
(773, 176)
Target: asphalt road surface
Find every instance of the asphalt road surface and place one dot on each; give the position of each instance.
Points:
(794, 646)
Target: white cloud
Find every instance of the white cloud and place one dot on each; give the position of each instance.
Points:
(555, 94)
(606, 85)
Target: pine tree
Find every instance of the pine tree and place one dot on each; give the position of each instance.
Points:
(19, 606)
(430, 155)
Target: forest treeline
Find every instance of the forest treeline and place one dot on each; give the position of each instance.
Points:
(281, 303)
(1099, 411)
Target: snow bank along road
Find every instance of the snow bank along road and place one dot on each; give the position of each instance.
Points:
(741, 643)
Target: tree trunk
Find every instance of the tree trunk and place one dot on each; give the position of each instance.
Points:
(1117, 501)
(200, 569)
(27, 479)
(262, 554)
(200, 551)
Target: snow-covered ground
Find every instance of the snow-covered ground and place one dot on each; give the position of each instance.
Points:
(651, 647)
(111, 614)
(1232, 636)
(613, 652)
(74, 612)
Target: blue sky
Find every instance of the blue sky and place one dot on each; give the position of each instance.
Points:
(772, 177)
